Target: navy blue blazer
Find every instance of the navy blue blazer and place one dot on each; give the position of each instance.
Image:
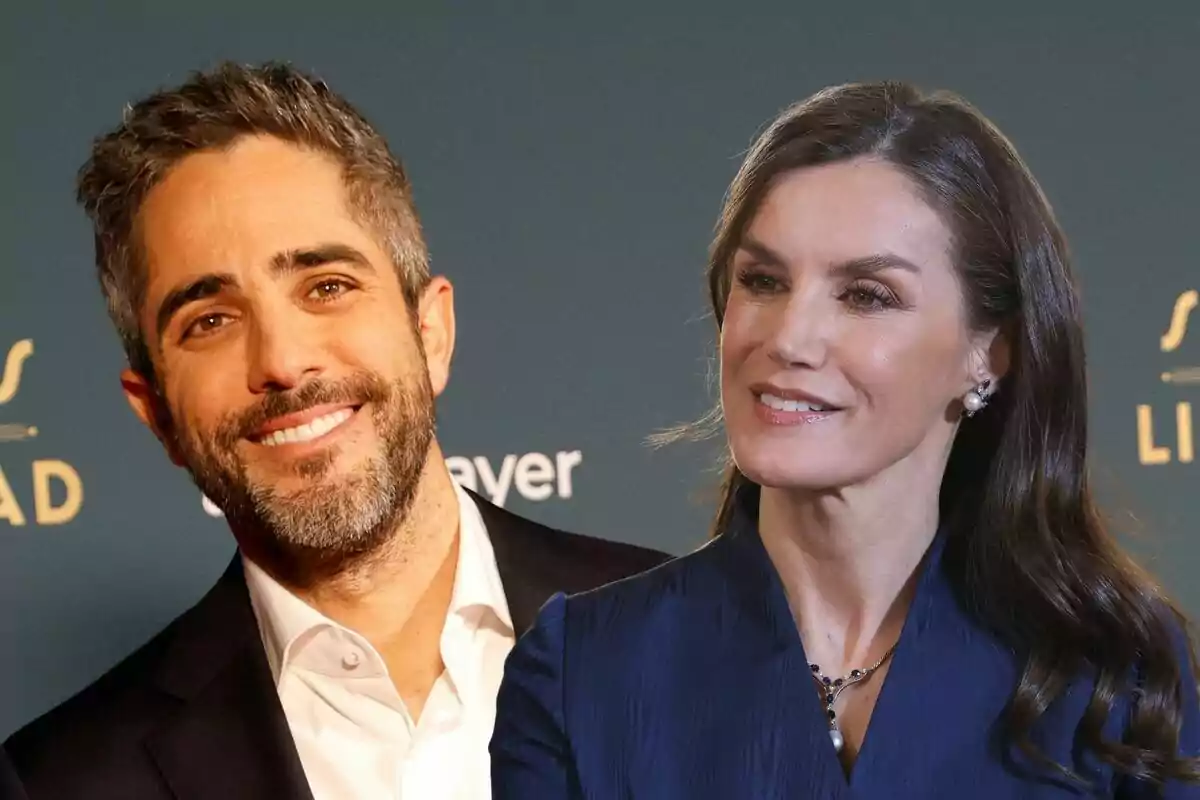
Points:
(690, 682)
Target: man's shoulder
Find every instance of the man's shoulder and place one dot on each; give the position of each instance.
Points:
(536, 561)
(100, 730)
(99, 725)
(605, 559)
(623, 558)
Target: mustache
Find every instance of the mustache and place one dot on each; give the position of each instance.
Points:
(356, 390)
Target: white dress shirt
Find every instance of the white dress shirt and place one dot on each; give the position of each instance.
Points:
(355, 737)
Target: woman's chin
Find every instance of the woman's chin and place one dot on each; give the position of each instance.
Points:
(790, 477)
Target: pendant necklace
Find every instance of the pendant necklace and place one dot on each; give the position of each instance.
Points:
(832, 688)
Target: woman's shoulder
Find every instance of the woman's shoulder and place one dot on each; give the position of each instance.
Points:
(672, 578)
(638, 605)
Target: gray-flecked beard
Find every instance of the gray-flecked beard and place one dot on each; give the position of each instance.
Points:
(329, 524)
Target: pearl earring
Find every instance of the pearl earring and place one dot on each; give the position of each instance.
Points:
(976, 399)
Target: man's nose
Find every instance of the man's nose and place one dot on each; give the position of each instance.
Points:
(281, 355)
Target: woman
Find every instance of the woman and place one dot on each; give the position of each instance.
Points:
(910, 593)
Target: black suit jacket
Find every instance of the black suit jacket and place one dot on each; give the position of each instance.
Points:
(194, 713)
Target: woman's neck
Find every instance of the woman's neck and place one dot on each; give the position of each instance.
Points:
(848, 561)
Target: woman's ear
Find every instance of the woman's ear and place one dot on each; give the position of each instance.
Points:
(991, 357)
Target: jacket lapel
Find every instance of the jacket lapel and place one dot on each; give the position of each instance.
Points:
(10, 784)
(229, 737)
(526, 585)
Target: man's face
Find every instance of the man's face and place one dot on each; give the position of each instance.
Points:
(294, 383)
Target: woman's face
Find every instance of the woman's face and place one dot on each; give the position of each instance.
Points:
(845, 349)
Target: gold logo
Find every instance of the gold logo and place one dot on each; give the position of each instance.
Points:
(1179, 321)
(45, 471)
(10, 384)
(1149, 451)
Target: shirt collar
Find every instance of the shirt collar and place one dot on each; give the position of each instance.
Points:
(477, 582)
(283, 618)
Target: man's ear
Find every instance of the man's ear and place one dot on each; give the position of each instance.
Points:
(147, 404)
(435, 325)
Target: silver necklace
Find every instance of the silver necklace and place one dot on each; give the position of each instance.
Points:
(832, 688)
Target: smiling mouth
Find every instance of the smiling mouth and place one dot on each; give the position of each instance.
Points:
(776, 403)
(307, 431)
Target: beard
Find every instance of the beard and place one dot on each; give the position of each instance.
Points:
(329, 523)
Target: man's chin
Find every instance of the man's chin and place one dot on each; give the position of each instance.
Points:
(322, 526)
(286, 490)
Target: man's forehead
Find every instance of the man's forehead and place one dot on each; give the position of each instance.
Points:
(235, 223)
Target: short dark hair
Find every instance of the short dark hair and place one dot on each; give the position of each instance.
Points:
(211, 111)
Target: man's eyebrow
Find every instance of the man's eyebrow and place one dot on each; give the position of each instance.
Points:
(320, 255)
(190, 292)
(287, 261)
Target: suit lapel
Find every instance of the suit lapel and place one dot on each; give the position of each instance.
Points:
(771, 669)
(765, 705)
(229, 738)
(526, 587)
(10, 785)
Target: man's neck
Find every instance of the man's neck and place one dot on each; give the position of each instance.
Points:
(398, 598)
(379, 593)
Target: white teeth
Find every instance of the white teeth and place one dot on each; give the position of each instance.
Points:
(782, 404)
(309, 430)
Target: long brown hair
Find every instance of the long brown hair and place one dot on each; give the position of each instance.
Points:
(1028, 551)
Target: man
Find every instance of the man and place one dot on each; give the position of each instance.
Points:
(264, 265)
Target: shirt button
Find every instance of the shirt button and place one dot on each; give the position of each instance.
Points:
(351, 660)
